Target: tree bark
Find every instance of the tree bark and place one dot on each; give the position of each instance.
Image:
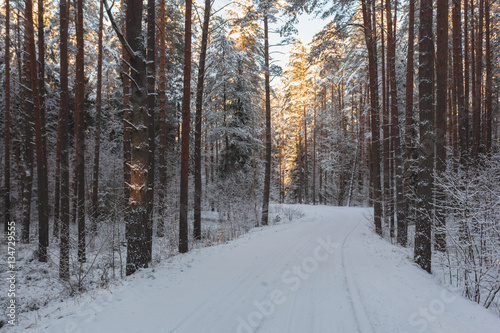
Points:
(441, 111)
(371, 43)
(41, 160)
(198, 121)
(267, 173)
(138, 237)
(186, 118)
(464, 122)
(476, 102)
(489, 80)
(97, 138)
(402, 237)
(151, 101)
(162, 167)
(41, 72)
(459, 80)
(395, 133)
(28, 155)
(386, 196)
(63, 129)
(80, 130)
(126, 113)
(7, 208)
(423, 224)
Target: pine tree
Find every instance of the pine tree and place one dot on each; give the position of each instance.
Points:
(80, 132)
(138, 237)
(370, 39)
(441, 111)
(425, 186)
(63, 142)
(7, 165)
(198, 121)
(97, 139)
(186, 118)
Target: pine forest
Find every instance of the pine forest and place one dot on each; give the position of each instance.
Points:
(138, 132)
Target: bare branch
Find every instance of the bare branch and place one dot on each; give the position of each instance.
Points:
(119, 34)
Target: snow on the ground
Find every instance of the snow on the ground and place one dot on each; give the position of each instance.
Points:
(327, 272)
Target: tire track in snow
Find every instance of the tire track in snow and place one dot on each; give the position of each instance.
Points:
(360, 313)
(244, 285)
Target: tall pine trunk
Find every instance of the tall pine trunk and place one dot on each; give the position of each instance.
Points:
(441, 111)
(186, 118)
(489, 79)
(477, 90)
(41, 159)
(162, 151)
(63, 128)
(136, 228)
(151, 100)
(137, 236)
(267, 173)
(386, 194)
(464, 121)
(97, 138)
(41, 74)
(402, 237)
(80, 131)
(198, 120)
(459, 80)
(126, 112)
(423, 224)
(395, 132)
(7, 208)
(27, 136)
(371, 44)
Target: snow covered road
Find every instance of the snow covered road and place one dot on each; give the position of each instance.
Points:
(326, 272)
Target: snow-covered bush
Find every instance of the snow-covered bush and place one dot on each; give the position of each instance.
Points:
(473, 229)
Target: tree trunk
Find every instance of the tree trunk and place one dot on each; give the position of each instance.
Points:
(423, 224)
(126, 113)
(395, 133)
(162, 167)
(138, 237)
(464, 122)
(63, 129)
(371, 43)
(97, 138)
(151, 101)
(7, 208)
(198, 120)
(386, 197)
(402, 237)
(41, 74)
(459, 80)
(476, 101)
(80, 130)
(441, 111)
(41, 160)
(27, 166)
(57, 181)
(267, 174)
(489, 80)
(186, 118)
